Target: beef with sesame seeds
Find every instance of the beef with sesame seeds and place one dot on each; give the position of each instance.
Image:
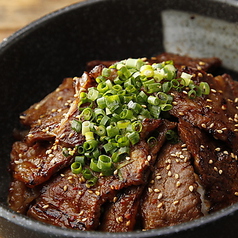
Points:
(205, 64)
(122, 213)
(215, 164)
(75, 171)
(67, 201)
(206, 112)
(21, 196)
(171, 197)
(53, 101)
(35, 164)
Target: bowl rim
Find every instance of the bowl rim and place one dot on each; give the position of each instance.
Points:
(36, 226)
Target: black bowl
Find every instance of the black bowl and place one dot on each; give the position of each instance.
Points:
(34, 60)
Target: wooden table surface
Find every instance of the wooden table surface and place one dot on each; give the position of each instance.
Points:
(15, 14)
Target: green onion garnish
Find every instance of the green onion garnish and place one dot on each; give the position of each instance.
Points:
(112, 112)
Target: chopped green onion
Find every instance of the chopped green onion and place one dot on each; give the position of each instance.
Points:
(152, 141)
(153, 100)
(166, 107)
(113, 102)
(112, 112)
(101, 102)
(123, 124)
(93, 165)
(76, 167)
(87, 174)
(80, 159)
(186, 79)
(192, 93)
(76, 125)
(120, 154)
(86, 127)
(86, 114)
(112, 131)
(134, 137)
(90, 145)
(204, 86)
(147, 70)
(93, 94)
(104, 163)
(92, 181)
(136, 126)
(126, 114)
(100, 130)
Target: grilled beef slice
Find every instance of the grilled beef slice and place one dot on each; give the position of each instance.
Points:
(171, 197)
(121, 214)
(54, 100)
(209, 112)
(205, 64)
(35, 164)
(21, 196)
(67, 201)
(215, 164)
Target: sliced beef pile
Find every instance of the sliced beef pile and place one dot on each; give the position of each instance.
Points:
(157, 185)
(171, 196)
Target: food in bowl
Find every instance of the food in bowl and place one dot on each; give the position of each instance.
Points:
(129, 145)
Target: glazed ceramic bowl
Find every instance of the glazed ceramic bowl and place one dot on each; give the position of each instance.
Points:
(34, 60)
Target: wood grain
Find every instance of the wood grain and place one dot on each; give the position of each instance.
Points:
(15, 14)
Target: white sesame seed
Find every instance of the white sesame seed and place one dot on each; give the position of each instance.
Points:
(156, 190)
(176, 202)
(128, 223)
(210, 161)
(201, 63)
(84, 219)
(212, 124)
(178, 184)
(169, 173)
(160, 196)
(149, 157)
(223, 107)
(191, 188)
(65, 188)
(45, 206)
(160, 205)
